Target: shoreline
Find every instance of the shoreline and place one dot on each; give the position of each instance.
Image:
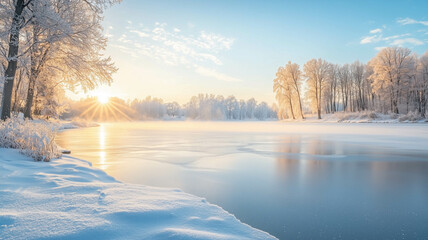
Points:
(68, 198)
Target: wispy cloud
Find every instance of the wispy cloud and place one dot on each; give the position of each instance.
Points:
(213, 73)
(377, 30)
(140, 33)
(378, 36)
(413, 41)
(395, 36)
(406, 21)
(396, 40)
(371, 39)
(123, 39)
(172, 46)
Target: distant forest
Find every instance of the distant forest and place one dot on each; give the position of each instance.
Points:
(200, 107)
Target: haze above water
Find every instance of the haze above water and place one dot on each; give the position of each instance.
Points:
(293, 180)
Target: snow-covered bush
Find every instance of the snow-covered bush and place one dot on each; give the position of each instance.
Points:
(393, 115)
(348, 116)
(363, 116)
(371, 115)
(410, 117)
(34, 139)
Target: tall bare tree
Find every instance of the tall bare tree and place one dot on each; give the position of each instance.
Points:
(421, 86)
(392, 69)
(358, 73)
(68, 43)
(293, 77)
(18, 22)
(283, 90)
(316, 72)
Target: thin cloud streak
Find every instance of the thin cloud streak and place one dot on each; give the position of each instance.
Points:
(406, 21)
(377, 30)
(214, 74)
(377, 36)
(413, 41)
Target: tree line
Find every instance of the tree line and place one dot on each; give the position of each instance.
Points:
(199, 107)
(394, 81)
(47, 46)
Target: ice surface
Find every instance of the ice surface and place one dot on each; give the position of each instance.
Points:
(293, 180)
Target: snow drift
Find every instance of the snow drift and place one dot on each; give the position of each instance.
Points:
(68, 199)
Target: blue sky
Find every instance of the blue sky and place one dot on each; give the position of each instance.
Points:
(176, 49)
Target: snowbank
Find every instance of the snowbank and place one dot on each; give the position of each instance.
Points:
(364, 117)
(67, 198)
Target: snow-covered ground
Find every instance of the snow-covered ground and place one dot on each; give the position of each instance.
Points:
(363, 117)
(68, 199)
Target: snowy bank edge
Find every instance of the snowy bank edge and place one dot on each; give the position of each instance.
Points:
(48, 180)
(361, 117)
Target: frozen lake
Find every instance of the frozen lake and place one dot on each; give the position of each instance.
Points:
(293, 180)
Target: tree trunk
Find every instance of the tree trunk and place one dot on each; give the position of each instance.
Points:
(30, 97)
(422, 103)
(291, 108)
(15, 94)
(320, 99)
(12, 60)
(300, 103)
(34, 71)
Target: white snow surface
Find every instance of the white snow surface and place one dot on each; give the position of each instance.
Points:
(362, 117)
(69, 199)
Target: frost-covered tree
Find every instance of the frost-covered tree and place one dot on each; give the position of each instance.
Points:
(392, 71)
(70, 46)
(294, 77)
(358, 78)
(250, 108)
(345, 85)
(173, 109)
(284, 91)
(232, 108)
(262, 111)
(316, 72)
(287, 88)
(57, 35)
(331, 91)
(242, 109)
(421, 85)
(13, 13)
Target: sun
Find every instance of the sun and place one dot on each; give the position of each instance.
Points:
(103, 98)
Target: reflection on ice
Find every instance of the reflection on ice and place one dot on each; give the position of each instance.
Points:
(102, 140)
